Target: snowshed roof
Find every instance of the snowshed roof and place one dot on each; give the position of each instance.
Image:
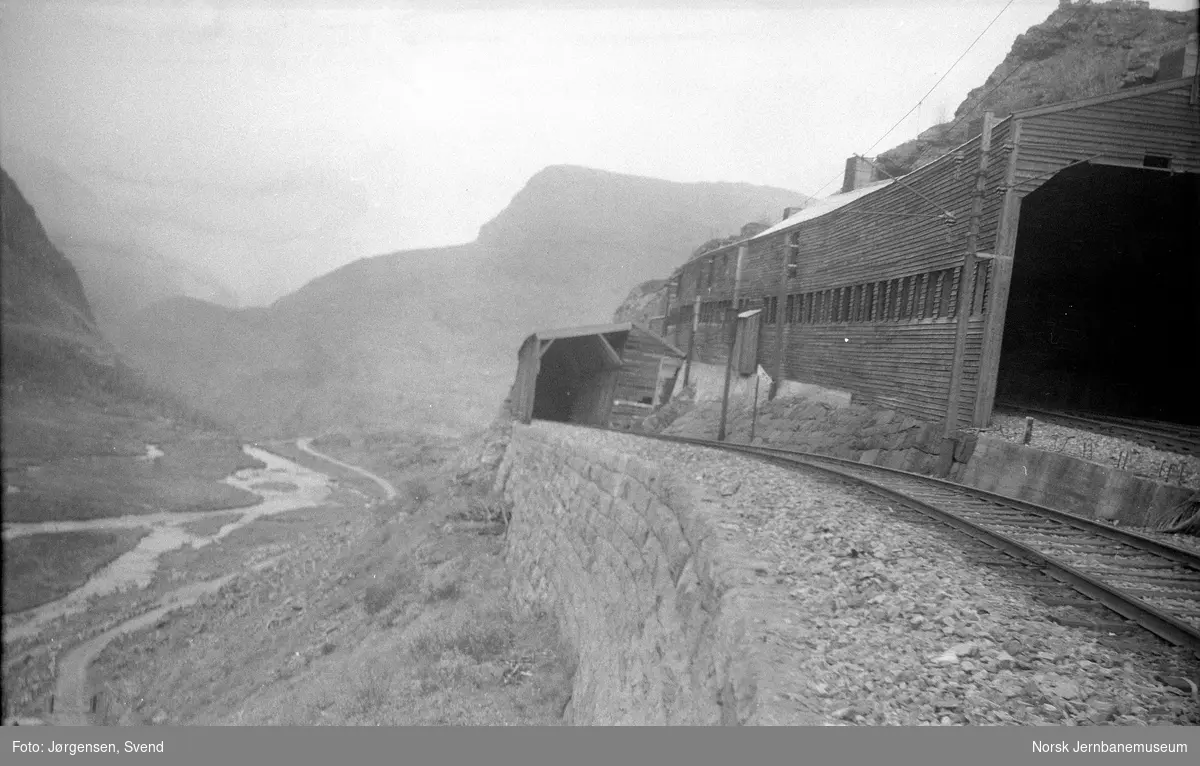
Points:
(827, 205)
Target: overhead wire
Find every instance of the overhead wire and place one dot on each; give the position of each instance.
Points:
(930, 91)
(944, 76)
(982, 99)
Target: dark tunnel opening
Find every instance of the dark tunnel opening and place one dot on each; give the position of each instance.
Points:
(1103, 313)
(575, 380)
(557, 384)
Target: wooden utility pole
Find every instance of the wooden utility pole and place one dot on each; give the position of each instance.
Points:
(791, 251)
(999, 283)
(964, 305)
(666, 309)
(687, 369)
(731, 314)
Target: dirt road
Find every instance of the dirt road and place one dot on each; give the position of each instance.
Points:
(388, 490)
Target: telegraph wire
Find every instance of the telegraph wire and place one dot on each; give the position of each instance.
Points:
(931, 90)
(943, 77)
(1018, 68)
(982, 99)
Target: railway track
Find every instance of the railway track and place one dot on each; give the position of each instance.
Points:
(1152, 584)
(1158, 434)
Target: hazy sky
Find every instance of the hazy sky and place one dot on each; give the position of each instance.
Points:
(274, 141)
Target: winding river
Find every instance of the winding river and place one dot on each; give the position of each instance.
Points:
(283, 485)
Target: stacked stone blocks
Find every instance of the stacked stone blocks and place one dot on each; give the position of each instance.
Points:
(638, 581)
(854, 432)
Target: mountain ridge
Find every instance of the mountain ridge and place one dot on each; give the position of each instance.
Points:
(431, 334)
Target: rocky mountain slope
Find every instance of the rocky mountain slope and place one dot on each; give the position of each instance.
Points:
(120, 272)
(431, 336)
(66, 391)
(40, 287)
(1082, 49)
(644, 303)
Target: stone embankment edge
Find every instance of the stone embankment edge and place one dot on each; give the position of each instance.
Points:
(648, 591)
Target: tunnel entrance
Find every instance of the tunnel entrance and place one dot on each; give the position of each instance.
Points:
(1103, 314)
(576, 380)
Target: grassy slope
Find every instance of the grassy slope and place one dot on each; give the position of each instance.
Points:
(395, 616)
(427, 337)
(41, 568)
(74, 433)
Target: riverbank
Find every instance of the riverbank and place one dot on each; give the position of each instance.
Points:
(354, 610)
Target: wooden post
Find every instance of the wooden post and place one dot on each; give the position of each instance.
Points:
(1002, 266)
(666, 307)
(687, 367)
(966, 282)
(754, 416)
(781, 327)
(731, 313)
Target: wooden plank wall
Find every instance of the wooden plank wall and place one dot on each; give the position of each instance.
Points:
(1162, 123)
(640, 360)
(887, 282)
(905, 367)
(902, 360)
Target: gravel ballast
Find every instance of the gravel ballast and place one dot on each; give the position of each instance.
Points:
(881, 621)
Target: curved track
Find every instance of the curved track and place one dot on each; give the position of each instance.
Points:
(1158, 434)
(1153, 584)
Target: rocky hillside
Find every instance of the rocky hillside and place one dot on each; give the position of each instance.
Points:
(50, 340)
(643, 303)
(430, 336)
(1082, 49)
(120, 273)
(56, 363)
(40, 287)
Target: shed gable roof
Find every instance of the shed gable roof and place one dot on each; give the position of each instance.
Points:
(599, 329)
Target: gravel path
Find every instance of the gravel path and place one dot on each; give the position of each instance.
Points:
(389, 492)
(884, 621)
(71, 687)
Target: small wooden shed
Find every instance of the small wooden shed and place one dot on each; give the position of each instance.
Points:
(603, 375)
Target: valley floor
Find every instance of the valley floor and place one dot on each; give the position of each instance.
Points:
(356, 610)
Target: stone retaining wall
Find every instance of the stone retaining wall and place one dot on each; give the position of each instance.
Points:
(852, 431)
(638, 581)
(890, 439)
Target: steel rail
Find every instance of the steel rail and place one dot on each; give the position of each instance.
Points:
(1128, 537)
(1130, 607)
(1170, 436)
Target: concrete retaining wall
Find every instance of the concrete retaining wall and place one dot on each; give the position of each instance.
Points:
(1070, 484)
(638, 580)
